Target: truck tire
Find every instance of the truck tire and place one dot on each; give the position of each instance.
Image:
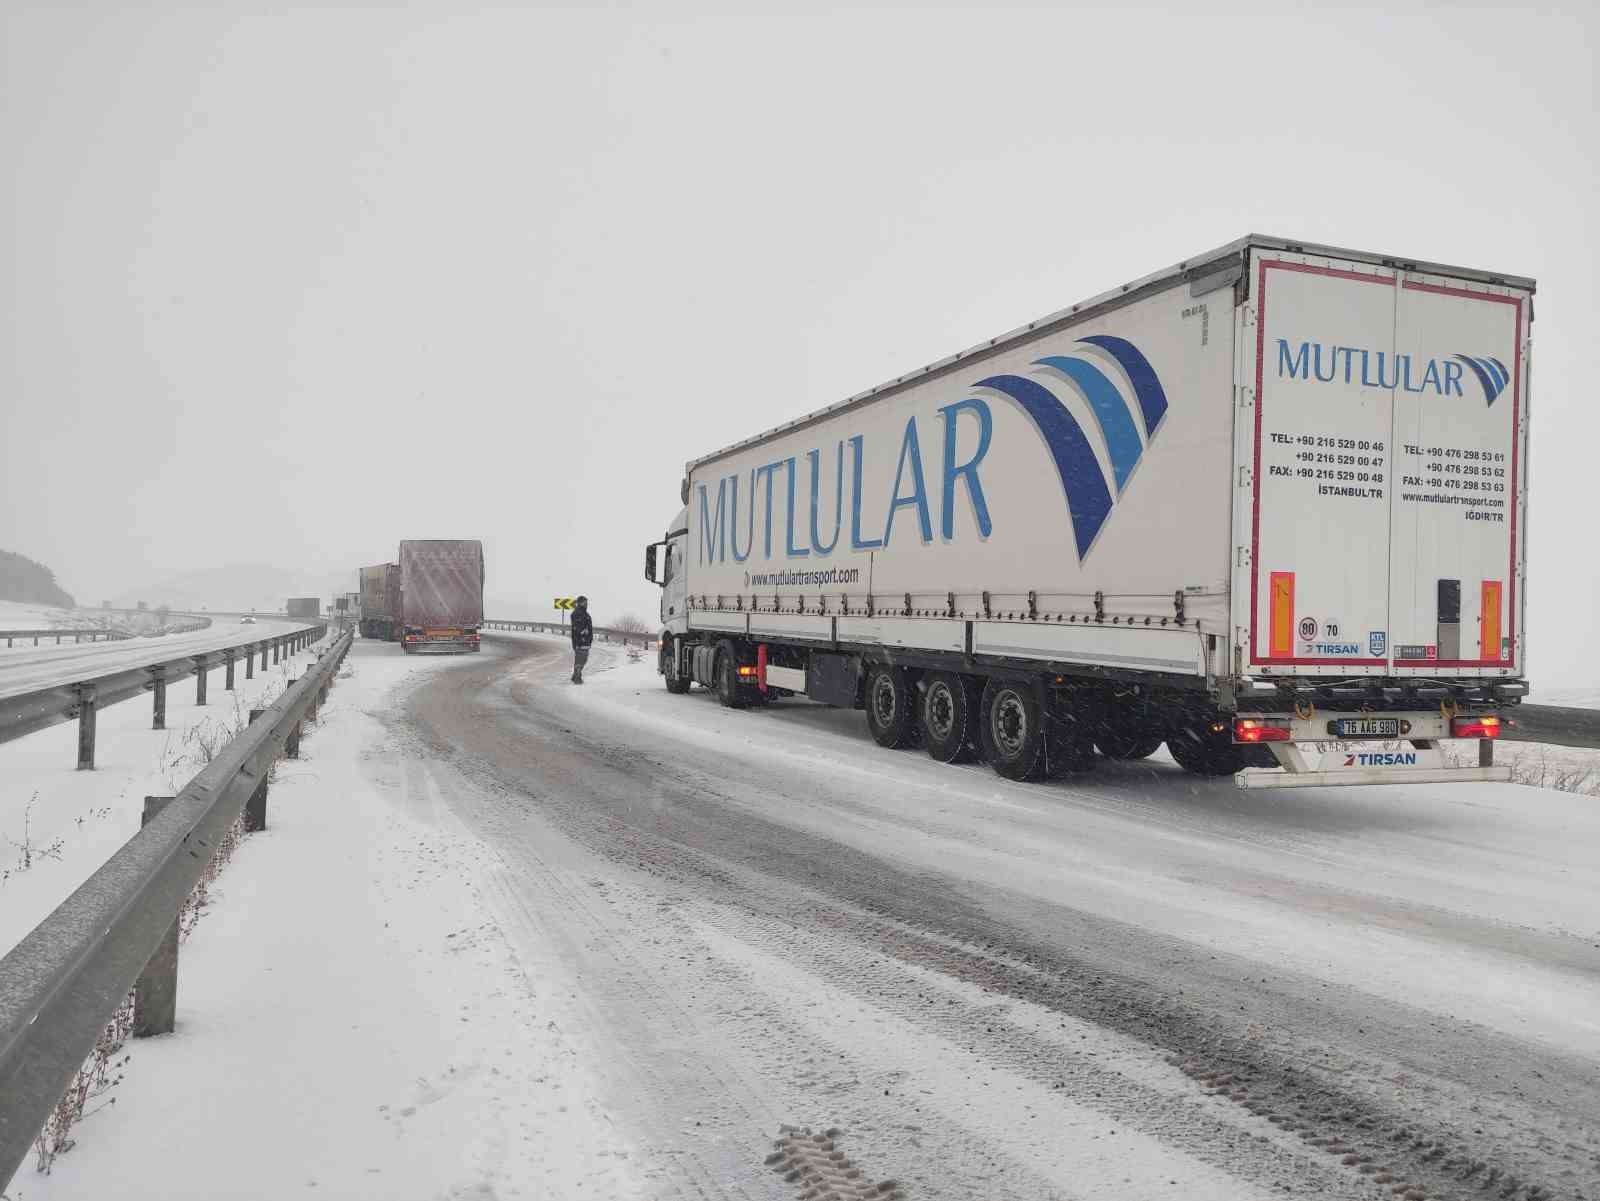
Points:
(1126, 744)
(728, 690)
(950, 706)
(891, 706)
(1013, 730)
(677, 685)
(1207, 752)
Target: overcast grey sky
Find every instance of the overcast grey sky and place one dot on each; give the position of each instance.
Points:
(285, 285)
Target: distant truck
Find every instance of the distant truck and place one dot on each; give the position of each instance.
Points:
(441, 594)
(381, 614)
(1268, 506)
(304, 608)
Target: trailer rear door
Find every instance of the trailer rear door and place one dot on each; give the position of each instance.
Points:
(1383, 470)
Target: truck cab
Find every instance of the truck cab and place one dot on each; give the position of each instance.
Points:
(663, 566)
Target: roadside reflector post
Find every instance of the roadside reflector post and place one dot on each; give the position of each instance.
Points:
(155, 993)
(159, 720)
(202, 670)
(255, 809)
(227, 658)
(86, 719)
(1486, 752)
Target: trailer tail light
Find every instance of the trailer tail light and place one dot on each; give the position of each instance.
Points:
(1249, 729)
(1475, 727)
(746, 671)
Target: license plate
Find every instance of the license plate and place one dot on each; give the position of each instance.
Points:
(1368, 727)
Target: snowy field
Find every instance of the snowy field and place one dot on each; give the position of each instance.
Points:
(507, 937)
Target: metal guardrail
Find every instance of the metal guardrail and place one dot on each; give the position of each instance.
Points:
(601, 633)
(62, 983)
(1554, 724)
(93, 634)
(29, 712)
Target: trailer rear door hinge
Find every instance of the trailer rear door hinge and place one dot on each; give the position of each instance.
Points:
(1243, 556)
(1244, 477)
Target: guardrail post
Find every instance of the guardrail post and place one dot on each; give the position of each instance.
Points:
(255, 809)
(86, 720)
(202, 670)
(263, 656)
(227, 658)
(1486, 752)
(159, 721)
(155, 993)
(249, 662)
(291, 745)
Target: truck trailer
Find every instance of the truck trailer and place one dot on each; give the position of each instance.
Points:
(380, 602)
(1267, 506)
(441, 595)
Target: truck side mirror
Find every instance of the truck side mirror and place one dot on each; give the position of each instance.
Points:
(650, 563)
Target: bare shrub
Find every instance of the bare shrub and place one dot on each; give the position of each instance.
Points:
(630, 623)
(194, 906)
(27, 852)
(101, 1072)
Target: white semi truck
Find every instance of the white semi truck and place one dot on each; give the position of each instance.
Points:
(1267, 506)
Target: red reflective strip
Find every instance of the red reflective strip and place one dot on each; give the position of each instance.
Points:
(761, 666)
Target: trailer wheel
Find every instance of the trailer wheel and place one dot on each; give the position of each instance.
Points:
(1206, 751)
(1013, 730)
(950, 705)
(1126, 744)
(890, 711)
(728, 690)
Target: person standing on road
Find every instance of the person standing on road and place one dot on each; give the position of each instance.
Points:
(582, 637)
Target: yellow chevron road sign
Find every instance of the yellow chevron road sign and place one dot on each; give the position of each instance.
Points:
(564, 602)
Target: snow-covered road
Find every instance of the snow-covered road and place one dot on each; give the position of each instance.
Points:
(989, 984)
(507, 937)
(24, 670)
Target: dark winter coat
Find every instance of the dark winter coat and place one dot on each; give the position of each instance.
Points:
(582, 629)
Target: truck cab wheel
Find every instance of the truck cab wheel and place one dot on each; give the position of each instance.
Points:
(950, 718)
(1013, 730)
(677, 685)
(889, 706)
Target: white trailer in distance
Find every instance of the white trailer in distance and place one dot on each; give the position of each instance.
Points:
(1267, 506)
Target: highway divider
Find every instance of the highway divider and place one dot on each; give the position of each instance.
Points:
(93, 634)
(80, 700)
(64, 982)
(642, 638)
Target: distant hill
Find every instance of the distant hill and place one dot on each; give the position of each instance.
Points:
(21, 579)
(239, 588)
